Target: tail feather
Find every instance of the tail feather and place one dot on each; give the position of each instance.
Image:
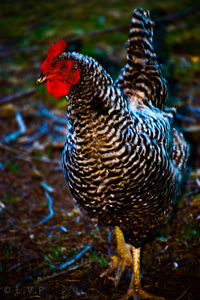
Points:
(141, 78)
(180, 151)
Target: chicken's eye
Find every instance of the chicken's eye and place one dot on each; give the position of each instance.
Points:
(75, 66)
(62, 66)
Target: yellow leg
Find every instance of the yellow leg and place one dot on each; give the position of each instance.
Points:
(123, 249)
(123, 258)
(136, 269)
(120, 240)
(128, 255)
(135, 290)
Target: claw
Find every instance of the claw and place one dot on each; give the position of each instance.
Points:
(129, 256)
(141, 294)
(120, 271)
(119, 262)
(135, 291)
(112, 266)
(145, 295)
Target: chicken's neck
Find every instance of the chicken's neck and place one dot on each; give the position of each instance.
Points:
(95, 96)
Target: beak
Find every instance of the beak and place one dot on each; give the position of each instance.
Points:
(41, 79)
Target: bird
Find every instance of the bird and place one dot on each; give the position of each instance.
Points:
(124, 160)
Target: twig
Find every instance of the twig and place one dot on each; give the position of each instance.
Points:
(60, 129)
(191, 129)
(59, 274)
(177, 16)
(10, 149)
(51, 276)
(35, 137)
(97, 32)
(47, 187)
(5, 52)
(45, 112)
(17, 96)
(13, 136)
(181, 296)
(63, 228)
(191, 110)
(45, 159)
(22, 128)
(20, 122)
(184, 118)
(56, 144)
(9, 238)
(56, 169)
(50, 206)
(20, 155)
(43, 129)
(42, 159)
(14, 267)
(76, 257)
(2, 207)
(198, 182)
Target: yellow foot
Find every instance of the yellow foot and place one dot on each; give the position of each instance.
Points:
(135, 290)
(141, 294)
(119, 262)
(128, 255)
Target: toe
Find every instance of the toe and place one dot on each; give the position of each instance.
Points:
(112, 266)
(145, 295)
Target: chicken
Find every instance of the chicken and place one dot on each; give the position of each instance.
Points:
(123, 159)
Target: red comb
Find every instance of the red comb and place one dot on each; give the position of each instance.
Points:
(54, 50)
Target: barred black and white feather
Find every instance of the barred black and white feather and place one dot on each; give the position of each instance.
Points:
(123, 159)
(141, 79)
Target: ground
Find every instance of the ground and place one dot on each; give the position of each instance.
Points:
(58, 252)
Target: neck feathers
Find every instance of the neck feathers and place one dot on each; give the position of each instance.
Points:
(95, 94)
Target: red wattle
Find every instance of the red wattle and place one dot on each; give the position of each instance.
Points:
(57, 88)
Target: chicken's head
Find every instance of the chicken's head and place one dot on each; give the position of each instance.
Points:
(58, 72)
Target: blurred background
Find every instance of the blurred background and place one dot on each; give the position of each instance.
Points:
(48, 249)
